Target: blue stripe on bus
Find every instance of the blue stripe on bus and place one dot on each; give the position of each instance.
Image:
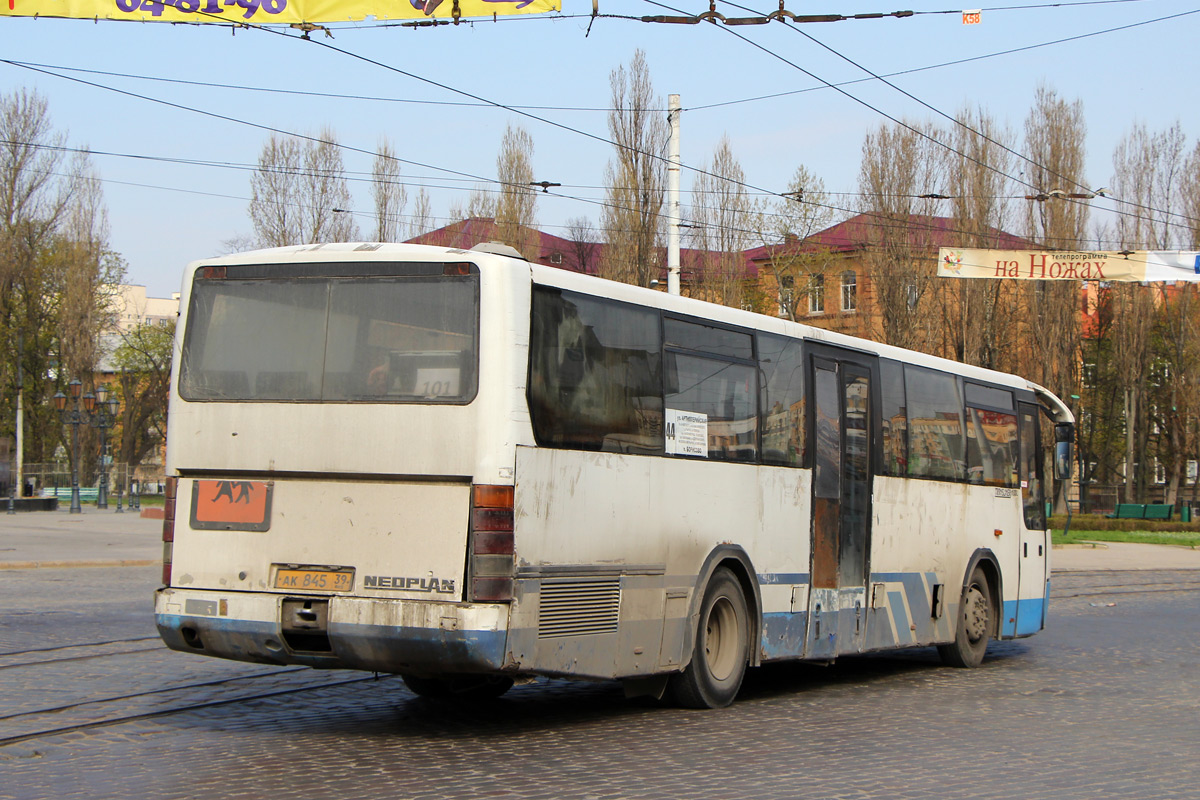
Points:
(783, 634)
(903, 634)
(359, 646)
(1023, 617)
(916, 590)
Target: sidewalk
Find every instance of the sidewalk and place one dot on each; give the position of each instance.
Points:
(31, 539)
(1121, 555)
(108, 539)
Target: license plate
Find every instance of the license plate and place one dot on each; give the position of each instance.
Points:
(314, 580)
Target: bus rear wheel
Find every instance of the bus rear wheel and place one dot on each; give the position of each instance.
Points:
(721, 650)
(458, 687)
(976, 620)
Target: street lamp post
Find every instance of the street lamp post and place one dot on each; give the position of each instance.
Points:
(97, 411)
(74, 417)
(103, 417)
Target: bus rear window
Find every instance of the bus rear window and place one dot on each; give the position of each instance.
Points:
(313, 339)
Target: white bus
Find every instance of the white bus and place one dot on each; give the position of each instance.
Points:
(468, 469)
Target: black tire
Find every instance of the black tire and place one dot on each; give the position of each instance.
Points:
(976, 624)
(458, 687)
(721, 650)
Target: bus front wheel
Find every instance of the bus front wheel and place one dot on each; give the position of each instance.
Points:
(976, 619)
(721, 650)
(458, 687)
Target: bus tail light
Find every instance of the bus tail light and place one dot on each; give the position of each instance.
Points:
(492, 544)
(170, 489)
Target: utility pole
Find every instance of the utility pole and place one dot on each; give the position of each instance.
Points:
(673, 166)
(20, 414)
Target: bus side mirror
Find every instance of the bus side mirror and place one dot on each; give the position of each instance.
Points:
(1064, 435)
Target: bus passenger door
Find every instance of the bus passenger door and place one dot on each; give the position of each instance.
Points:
(1033, 577)
(841, 505)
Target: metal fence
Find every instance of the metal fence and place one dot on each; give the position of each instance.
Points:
(1100, 498)
(54, 480)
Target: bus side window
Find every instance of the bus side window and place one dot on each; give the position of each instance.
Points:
(1030, 471)
(716, 395)
(936, 445)
(991, 447)
(595, 374)
(895, 419)
(781, 361)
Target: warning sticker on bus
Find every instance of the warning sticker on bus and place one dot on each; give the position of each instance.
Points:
(219, 505)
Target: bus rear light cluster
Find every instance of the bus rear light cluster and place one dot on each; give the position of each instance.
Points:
(170, 489)
(492, 544)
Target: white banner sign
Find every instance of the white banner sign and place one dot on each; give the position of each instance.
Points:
(687, 433)
(1069, 265)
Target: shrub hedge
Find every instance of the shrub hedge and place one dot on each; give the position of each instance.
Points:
(1099, 522)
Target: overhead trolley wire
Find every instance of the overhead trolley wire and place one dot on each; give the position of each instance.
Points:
(907, 126)
(954, 63)
(603, 109)
(510, 108)
(884, 222)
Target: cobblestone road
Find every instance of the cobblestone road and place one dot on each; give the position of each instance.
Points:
(1105, 703)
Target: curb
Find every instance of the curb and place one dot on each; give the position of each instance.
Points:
(1081, 546)
(121, 562)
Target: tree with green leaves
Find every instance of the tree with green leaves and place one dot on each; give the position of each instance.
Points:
(56, 270)
(143, 371)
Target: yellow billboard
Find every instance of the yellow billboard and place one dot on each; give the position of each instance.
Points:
(271, 12)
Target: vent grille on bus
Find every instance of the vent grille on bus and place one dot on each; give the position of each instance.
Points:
(579, 607)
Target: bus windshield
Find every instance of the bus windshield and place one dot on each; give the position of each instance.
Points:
(332, 339)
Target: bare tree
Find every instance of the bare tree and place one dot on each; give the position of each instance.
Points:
(299, 193)
(636, 177)
(584, 240)
(389, 194)
(1055, 139)
(899, 164)
(517, 204)
(1189, 198)
(274, 194)
(1148, 169)
(324, 193)
(422, 216)
(720, 216)
(980, 316)
(782, 226)
(90, 273)
(480, 204)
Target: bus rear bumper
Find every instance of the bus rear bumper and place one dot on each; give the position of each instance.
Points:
(382, 635)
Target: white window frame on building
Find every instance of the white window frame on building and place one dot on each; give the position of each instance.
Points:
(816, 294)
(787, 294)
(849, 291)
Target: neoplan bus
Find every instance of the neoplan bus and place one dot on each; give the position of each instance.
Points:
(468, 469)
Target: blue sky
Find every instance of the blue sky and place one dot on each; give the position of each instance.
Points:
(164, 215)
